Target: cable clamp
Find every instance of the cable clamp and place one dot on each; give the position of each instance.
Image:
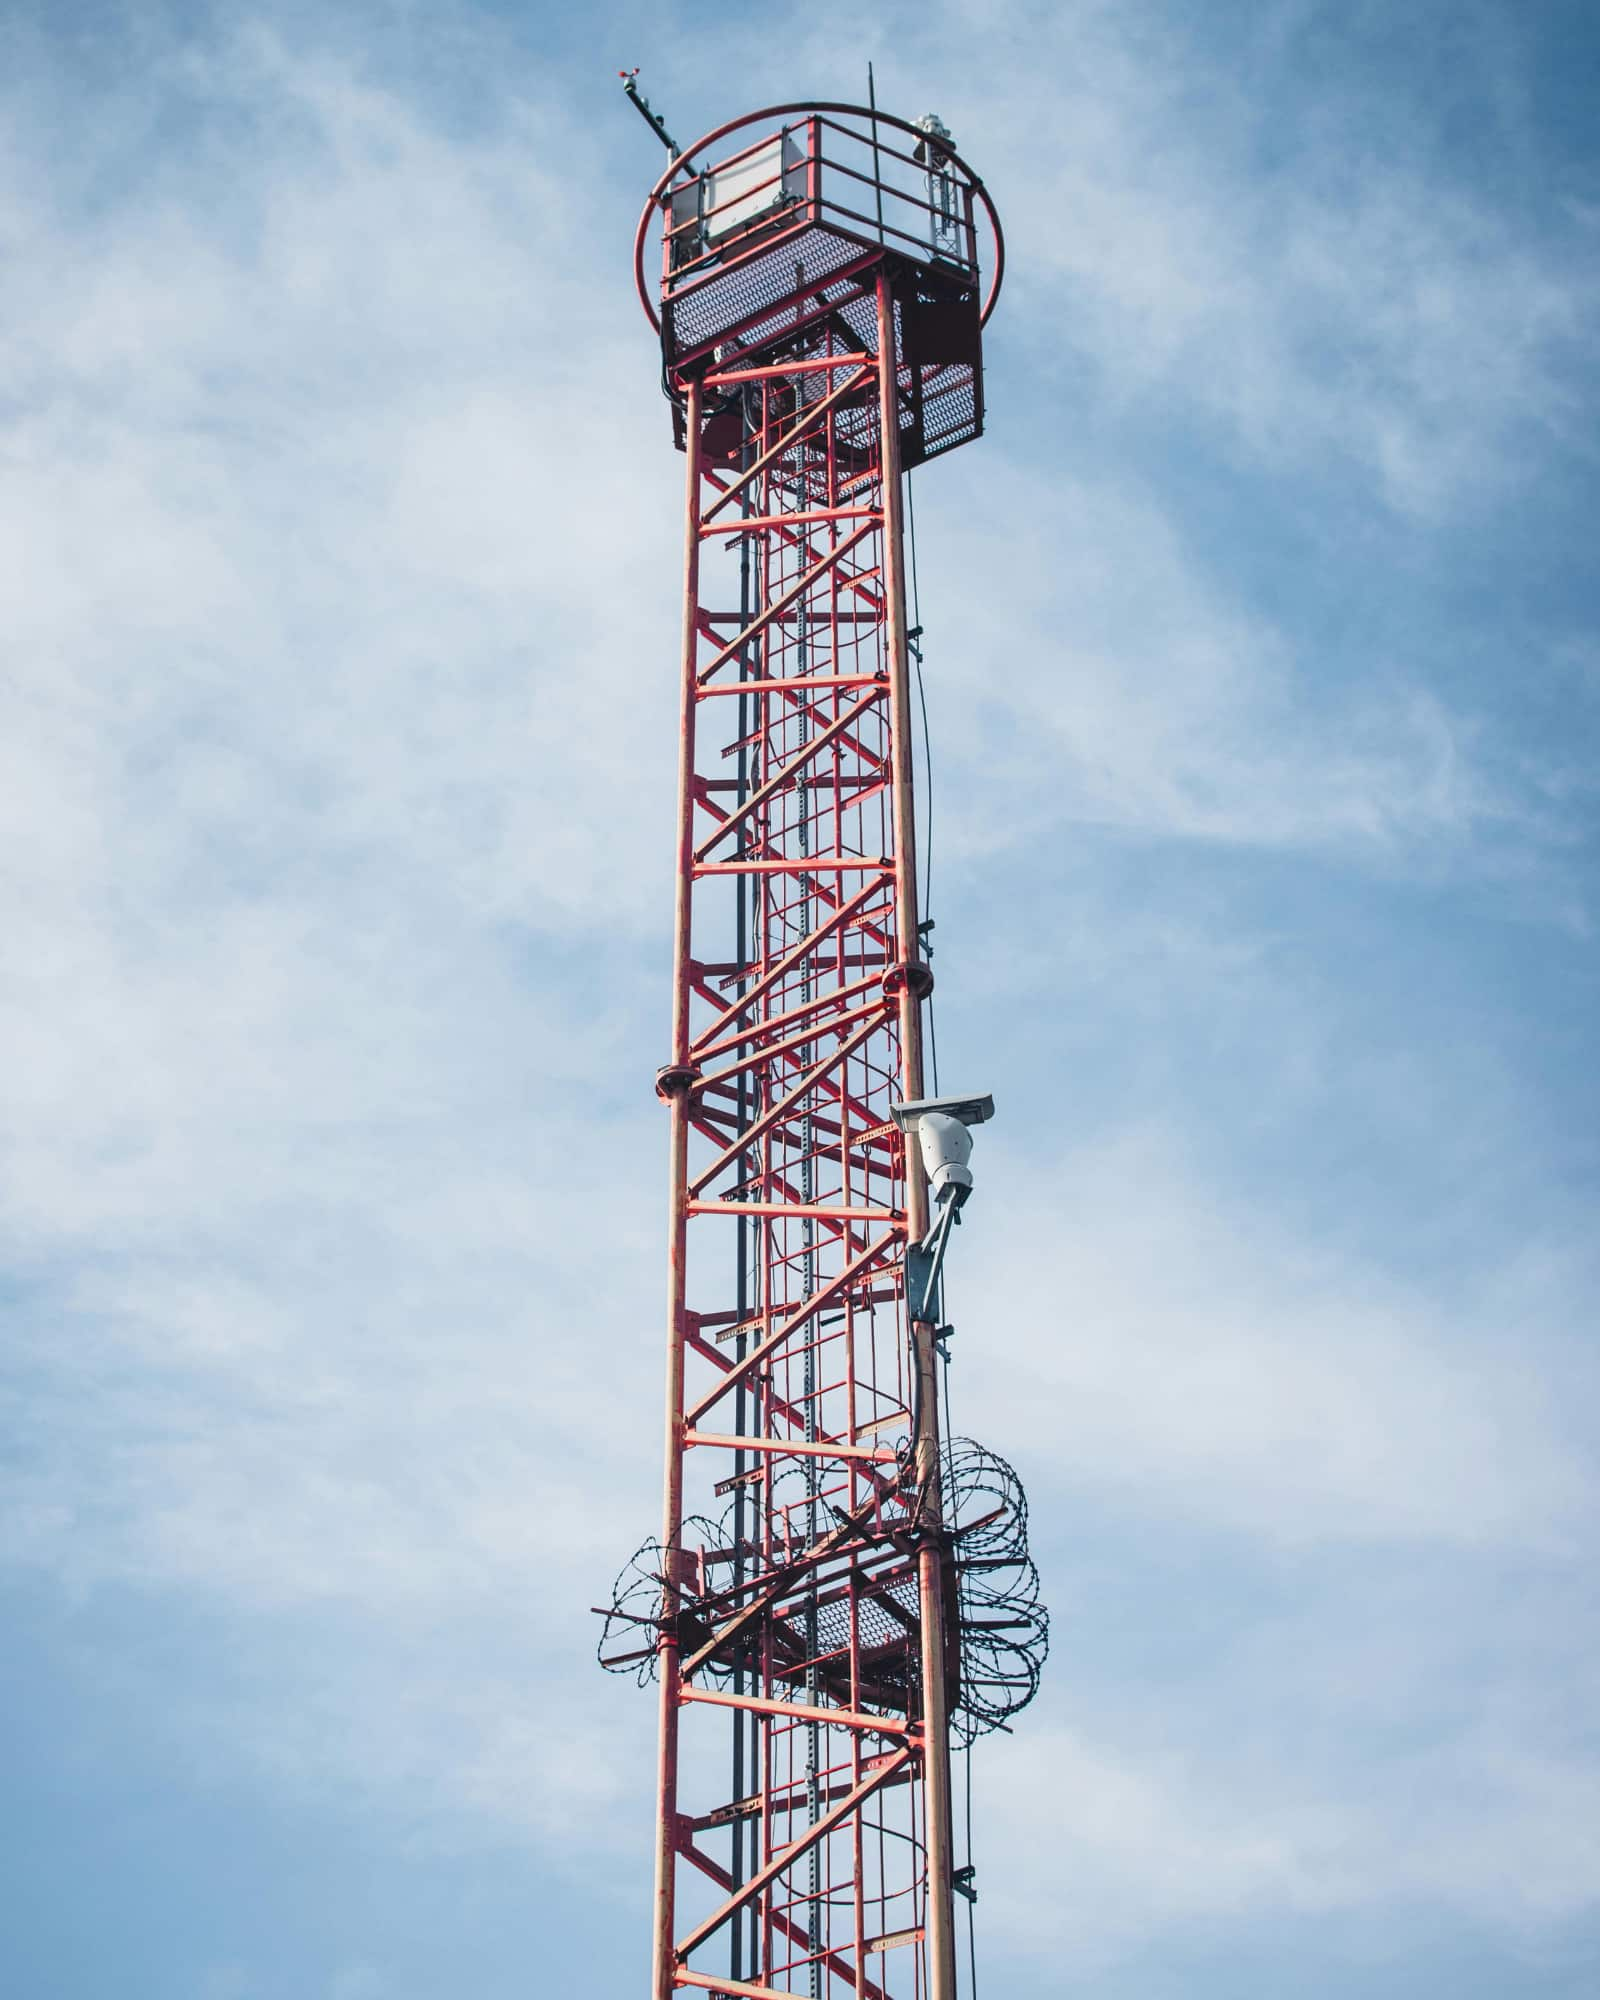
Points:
(676, 1080)
(910, 976)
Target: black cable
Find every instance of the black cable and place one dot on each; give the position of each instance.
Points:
(972, 1934)
(911, 521)
(927, 761)
(972, 1914)
(933, 1057)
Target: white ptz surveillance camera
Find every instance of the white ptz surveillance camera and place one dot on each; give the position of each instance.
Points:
(933, 148)
(946, 1148)
(941, 1125)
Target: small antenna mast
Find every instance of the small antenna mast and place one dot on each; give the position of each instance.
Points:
(641, 104)
(877, 170)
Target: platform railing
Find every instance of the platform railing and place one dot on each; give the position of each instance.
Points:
(908, 220)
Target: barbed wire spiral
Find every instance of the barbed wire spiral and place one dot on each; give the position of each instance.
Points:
(1004, 1629)
(630, 1634)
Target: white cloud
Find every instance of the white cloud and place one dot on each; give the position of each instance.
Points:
(359, 1981)
(338, 552)
(1119, 687)
(1312, 284)
(1096, 1848)
(228, 1982)
(1153, 1340)
(1310, 1533)
(325, 882)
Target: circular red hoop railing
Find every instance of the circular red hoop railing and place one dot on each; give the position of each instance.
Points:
(720, 132)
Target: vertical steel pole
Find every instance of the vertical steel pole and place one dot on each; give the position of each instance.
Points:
(911, 973)
(742, 1229)
(913, 982)
(934, 1665)
(676, 1085)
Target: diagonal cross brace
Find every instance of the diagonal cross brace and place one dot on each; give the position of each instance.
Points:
(774, 1113)
(779, 605)
(797, 762)
(786, 1857)
(742, 1002)
(835, 1961)
(796, 431)
(775, 1023)
(773, 1052)
(779, 1334)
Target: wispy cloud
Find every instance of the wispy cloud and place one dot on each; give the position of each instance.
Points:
(1118, 685)
(338, 556)
(1184, 1352)
(1318, 286)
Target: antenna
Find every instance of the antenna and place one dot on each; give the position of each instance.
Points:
(877, 162)
(641, 104)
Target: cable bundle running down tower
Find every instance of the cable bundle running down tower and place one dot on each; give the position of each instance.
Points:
(833, 1589)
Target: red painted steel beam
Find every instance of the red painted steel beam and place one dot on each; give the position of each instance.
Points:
(794, 1447)
(798, 1711)
(835, 1961)
(787, 1856)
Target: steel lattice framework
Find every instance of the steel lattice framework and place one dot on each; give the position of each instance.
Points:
(820, 309)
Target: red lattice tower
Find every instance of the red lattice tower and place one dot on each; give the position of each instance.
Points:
(826, 273)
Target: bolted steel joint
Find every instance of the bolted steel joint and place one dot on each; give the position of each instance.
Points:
(676, 1080)
(912, 976)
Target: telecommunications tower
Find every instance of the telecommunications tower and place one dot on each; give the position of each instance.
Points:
(838, 1588)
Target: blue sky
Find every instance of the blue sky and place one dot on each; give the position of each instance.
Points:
(339, 552)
